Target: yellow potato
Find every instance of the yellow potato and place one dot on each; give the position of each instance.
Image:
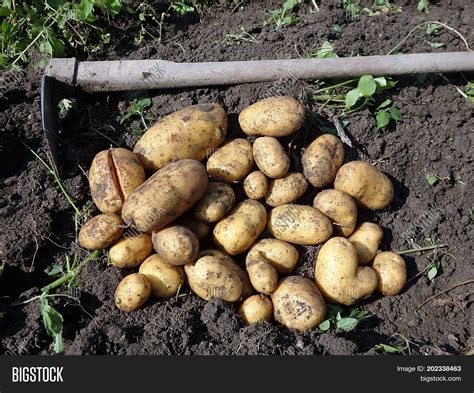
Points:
(270, 157)
(391, 273)
(176, 244)
(132, 292)
(321, 160)
(189, 133)
(131, 250)
(340, 208)
(255, 185)
(281, 255)
(165, 279)
(201, 229)
(101, 231)
(216, 202)
(299, 224)
(231, 162)
(286, 190)
(239, 230)
(298, 304)
(273, 116)
(371, 188)
(338, 275)
(263, 276)
(113, 175)
(165, 195)
(366, 240)
(256, 308)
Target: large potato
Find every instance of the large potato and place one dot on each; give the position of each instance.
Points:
(298, 304)
(338, 275)
(299, 224)
(255, 185)
(101, 231)
(176, 244)
(366, 240)
(132, 292)
(281, 255)
(262, 274)
(286, 190)
(165, 279)
(366, 184)
(165, 195)
(231, 162)
(131, 250)
(321, 160)
(270, 157)
(189, 133)
(273, 116)
(113, 175)
(201, 229)
(216, 202)
(239, 230)
(391, 273)
(340, 208)
(256, 308)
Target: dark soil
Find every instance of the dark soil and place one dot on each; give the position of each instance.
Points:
(37, 223)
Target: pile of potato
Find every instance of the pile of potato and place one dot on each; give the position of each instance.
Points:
(160, 223)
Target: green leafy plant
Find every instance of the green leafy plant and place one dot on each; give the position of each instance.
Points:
(64, 105)
(402, 349)
(468, 92)
(385, 112)
(53, 323)
(325, 51)
(432, 269)
(437, 45)
(184, 7)
(432, 179)
(424, 6)
(281, 17)
(432, 29)
(351, 8)
(346, 323)
(137, 110)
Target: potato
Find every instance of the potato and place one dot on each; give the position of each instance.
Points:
(366, 240)
(231, 162)
(370, 188)
(270, 157)
(188, 133)
(281, 255)
(262, 274)
(113, 175)
(131, 250)
(338, 275)
(256, 308)
(239, 230)
(273, 116)
(165, 195)
(299, 224)
(101, 231)
(255, 185)
(176, 244)
(286, 190)
(212, 277)
(216, 202)
(321, 160)
(340, 208)
(201, 229)
(298, 304)
(391, 273)
(165, 279)
(132, 292)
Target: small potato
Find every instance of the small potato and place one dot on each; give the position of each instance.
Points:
(201, 229)
(262, 274)
(177, 245)
(113, 175)
(211, 277)
(239, 230)
(298, 304)
(340, 208)
(391, 273)
(270, 157)
(273, 116)
(231, 162)
(255, 185)
(130, 251)
(165, 279)
(321, 160)
(366, 240)
(281, 255)
(101, 231)
(371, 188)
(299, 224)
(256, 308)
(286, 190)
(338, 275)
(216, 202)
(132, 292)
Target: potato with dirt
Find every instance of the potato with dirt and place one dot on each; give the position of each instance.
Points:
(286, 190)
(371, 188)
(165, 195)
(189, 133)
(270, 157)
(366, 240)
(101, 231)
(177, 245)
(262, 274)
(391, 272)
(202, 230)
(216, 202)
(165, 279)
(273, 116)
(132, 292)
(131, 250)
(256, 308)
(255, 185)
(281, 255)
(298, 304)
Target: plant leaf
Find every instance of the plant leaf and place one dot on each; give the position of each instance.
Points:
(367, 85)
(52, 319)
(53, 270)
(432, 179)
(383, 118)
(396, 114)
(389, 348)
(386, 103)
(352, 97)
(325, 325)
(437, 45)
(347, 324)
